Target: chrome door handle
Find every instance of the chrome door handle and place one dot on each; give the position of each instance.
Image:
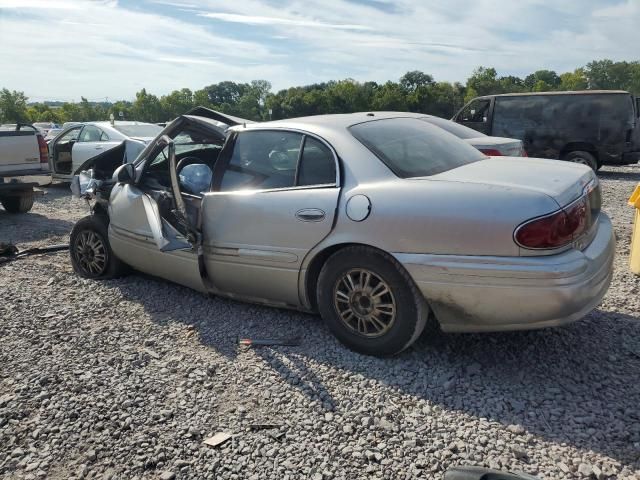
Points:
(99, 148)
(310, 215)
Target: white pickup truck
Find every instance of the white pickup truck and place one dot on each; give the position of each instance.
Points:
(23, 153)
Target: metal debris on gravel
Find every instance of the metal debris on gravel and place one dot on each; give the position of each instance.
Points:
(125, 379)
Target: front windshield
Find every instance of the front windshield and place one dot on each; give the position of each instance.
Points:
(458, 130)
(413, 148)
(139, 130)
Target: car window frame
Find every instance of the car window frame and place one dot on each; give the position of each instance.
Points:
(217, 183)
(486, 111)
(61, 135)
(84, 127)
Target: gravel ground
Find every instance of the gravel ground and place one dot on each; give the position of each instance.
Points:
(126, 378)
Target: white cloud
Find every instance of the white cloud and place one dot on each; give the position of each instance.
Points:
(30, 4)
(102, 48)
(261, 20)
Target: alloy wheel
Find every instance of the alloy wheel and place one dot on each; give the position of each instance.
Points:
(91, 253)
(365, 303)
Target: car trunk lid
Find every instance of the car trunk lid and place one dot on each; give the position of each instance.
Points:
(562, 181)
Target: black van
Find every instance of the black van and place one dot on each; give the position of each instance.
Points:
(594, 127)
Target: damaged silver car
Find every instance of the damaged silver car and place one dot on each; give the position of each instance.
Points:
(381, 222)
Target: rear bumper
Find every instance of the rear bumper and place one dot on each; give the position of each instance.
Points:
(475, 294)
(25, 173)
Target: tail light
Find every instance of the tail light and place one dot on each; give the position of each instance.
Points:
(524, 153)
(558, 229)
(492, 152)
(44, 149)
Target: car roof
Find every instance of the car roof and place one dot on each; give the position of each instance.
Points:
(568, 92)
(106, 123)
(339, 121)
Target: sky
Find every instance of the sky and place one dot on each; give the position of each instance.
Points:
(110, 49)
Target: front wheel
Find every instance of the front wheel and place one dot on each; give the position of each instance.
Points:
(370, 302)
(91, 254)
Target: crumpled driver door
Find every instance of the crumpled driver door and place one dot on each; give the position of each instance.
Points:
(141, 236)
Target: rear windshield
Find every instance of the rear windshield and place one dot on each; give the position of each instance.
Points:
(413, 148)
(143, 130)
(458, 130)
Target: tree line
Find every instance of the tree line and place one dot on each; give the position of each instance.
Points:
(415, 91)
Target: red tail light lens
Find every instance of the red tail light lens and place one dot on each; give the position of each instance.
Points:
(524, 153)
(555, 230)
(44, 150)
(492, 152)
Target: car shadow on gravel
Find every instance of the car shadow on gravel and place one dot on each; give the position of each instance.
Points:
(575, 385)
(30, 227)
(617, 175)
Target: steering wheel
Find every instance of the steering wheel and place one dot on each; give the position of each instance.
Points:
(190, 161)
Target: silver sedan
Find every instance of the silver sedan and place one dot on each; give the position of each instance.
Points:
(381, 222)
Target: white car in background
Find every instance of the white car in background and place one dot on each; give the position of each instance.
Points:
(44, 127)
(78, 143)
(51, 134)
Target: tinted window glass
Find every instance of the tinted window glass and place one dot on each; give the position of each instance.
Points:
(476, 111)
(589, 116)
(458, 130)
(90, 134)
(262, 160)
(413, 148)
(317, 165)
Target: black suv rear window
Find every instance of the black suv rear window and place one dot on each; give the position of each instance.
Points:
(413, 148)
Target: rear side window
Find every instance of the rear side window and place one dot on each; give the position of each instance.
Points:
(90, 134)
(411, 147)
(317, 165)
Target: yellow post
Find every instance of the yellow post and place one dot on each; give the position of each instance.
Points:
(634, 251)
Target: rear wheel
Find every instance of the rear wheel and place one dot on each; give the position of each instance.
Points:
(584, 158)
(91, 254)
(370, 302)
(21, 203)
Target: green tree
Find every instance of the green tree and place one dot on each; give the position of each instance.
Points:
(122, 106)
(13, 107)
(484, 81)
(145, 108)
(175, 104)
(390, 96)
(412, 81)
(41, 112)
(575, 80)
(542, 81)
(201, 99)
(511, 84)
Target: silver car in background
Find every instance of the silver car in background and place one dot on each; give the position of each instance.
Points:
(491, 146)
(380, 222)
(78, 142)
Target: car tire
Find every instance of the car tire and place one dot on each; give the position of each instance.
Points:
(90, 251)
(370, 328)
(18, 203)
(584, 158)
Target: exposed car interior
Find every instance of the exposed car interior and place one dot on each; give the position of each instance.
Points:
(62, 151)
(197, 150)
